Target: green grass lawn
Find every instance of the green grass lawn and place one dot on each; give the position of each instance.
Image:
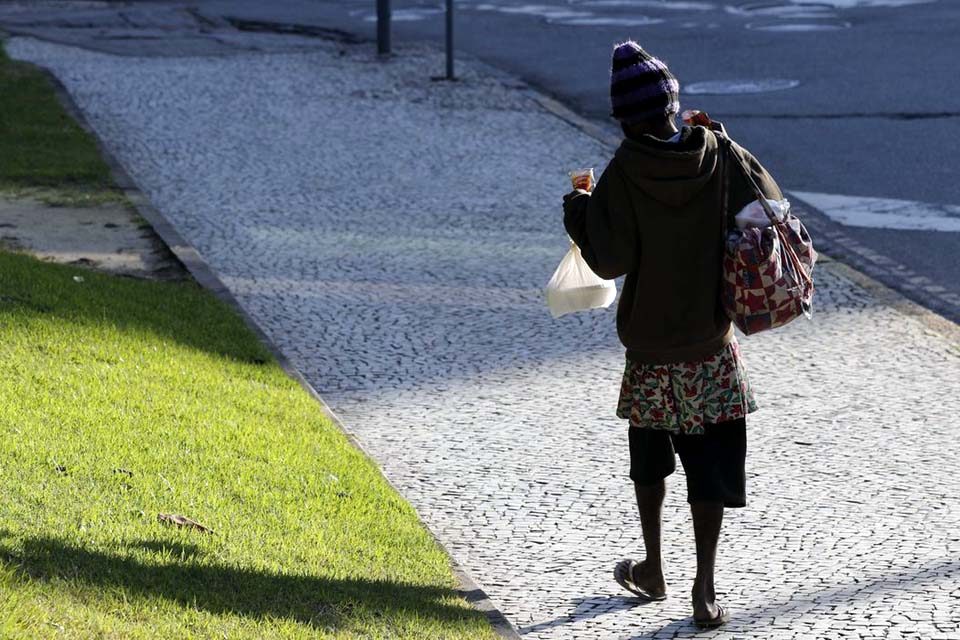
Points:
(123, 399)
(43, 152)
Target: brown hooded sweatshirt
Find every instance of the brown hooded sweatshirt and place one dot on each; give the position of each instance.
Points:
(655, 217)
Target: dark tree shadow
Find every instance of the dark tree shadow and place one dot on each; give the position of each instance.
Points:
(310, 600)
(184, 550)
(180, 312)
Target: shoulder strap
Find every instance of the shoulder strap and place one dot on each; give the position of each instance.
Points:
(727, 143)
(778, 225)
(723, 156)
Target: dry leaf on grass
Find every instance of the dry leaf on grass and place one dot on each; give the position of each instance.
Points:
(182, 521)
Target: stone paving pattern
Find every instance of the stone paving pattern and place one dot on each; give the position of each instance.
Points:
(393, 234)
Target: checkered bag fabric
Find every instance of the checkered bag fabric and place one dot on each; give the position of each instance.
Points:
(767, 271)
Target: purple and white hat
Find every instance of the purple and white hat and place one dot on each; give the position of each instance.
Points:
(641, 86)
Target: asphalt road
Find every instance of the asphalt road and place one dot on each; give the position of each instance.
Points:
(875, 111)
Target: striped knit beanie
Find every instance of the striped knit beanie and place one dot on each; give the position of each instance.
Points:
(641, 86)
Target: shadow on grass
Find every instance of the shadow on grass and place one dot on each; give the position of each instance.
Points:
(180, 312)
(310, 600)
(166, 546)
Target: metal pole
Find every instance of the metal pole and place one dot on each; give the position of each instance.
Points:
(383, 27)
(450, 75)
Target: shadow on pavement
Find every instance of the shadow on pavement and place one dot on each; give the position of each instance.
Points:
(828, 596)
(596, 606)
(587, 608)
(865, 589)
(403, 346)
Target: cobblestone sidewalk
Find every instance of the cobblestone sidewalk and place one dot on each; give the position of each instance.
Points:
(393, 234)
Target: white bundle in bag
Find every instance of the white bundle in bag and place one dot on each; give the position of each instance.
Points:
(753, 214)
(575, 287)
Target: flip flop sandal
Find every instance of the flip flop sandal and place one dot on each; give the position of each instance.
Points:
(623, 574)
(722, 617)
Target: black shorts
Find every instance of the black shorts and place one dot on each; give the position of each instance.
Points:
(713, 461)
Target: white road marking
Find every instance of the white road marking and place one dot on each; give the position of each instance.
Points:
(737, 87)
(799, 27)
(401, 15)
(783, 10)
(538, 10)
(856, 4)
(652, 4)
(884, 213)
(577, 13)
(610, 21)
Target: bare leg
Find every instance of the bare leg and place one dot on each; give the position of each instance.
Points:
(707, 519)
(649, 573)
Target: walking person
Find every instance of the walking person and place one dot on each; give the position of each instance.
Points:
(655, 217)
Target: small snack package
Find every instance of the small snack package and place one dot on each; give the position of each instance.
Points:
(582, 179)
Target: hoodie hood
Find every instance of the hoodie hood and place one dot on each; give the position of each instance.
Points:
(671, 173)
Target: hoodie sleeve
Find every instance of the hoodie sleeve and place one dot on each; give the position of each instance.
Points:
(604, 228)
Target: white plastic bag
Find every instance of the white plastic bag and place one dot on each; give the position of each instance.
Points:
(575, 287)
(753, 215)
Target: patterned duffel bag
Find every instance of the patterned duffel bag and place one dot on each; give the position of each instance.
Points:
(767, 271)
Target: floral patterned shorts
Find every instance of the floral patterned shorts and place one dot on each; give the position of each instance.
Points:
(684, 397)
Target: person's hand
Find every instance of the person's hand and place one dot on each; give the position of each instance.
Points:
(574, 194)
